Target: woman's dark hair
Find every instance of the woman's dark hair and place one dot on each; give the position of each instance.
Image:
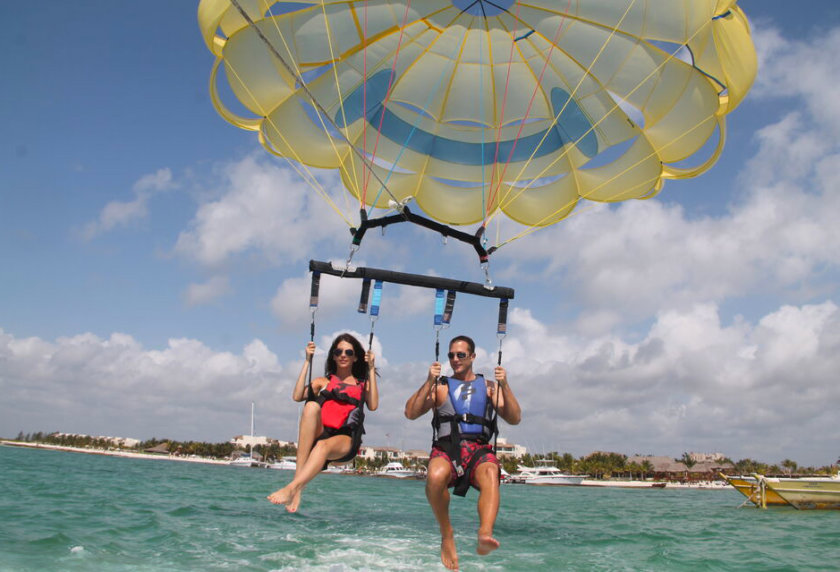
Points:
(359, 366)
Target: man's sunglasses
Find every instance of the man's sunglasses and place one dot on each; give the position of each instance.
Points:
(459, 355)
(338, 351)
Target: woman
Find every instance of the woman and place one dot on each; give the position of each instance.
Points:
(332, 422)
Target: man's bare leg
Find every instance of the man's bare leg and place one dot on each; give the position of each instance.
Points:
(437, 492)
(487, 479)
(332, 448)
(309, 429)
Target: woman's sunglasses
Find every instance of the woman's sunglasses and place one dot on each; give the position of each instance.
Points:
(338, 351)
(459, 355)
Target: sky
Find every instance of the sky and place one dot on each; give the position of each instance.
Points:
(154, 278)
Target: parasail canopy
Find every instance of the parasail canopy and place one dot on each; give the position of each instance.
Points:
(472, 108)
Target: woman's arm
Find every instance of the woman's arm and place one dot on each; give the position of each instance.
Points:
(372, 393)
(299, 392)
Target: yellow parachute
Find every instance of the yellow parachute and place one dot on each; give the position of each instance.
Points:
(475, 107)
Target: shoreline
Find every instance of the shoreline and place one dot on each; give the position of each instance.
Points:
(713, 485)
(115, 453)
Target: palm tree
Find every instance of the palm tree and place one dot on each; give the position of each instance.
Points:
(789, 465)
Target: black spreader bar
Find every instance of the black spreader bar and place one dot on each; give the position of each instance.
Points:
(420, 280)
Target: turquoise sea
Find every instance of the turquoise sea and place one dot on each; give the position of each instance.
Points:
(70, 511)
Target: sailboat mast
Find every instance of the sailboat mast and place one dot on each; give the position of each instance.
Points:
(252, 419)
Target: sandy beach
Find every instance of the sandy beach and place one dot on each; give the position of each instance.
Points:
(116, 453)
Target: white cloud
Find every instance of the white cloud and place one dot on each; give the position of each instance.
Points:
(691, 383)
(265, 207)
(212, 289)
(805, 69)
(115, 386)
(121, 213)
(779, 237)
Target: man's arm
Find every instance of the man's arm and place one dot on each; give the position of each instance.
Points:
(421, 401)
(509, 409)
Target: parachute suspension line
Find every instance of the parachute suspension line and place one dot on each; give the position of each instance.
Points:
(365, 176)
(299, 166)
(566, 103)
(416, 122)
(577, 212)
(333, 59)
(386, 99)
(587, 132)
(502, 114)
(495, 192)
(300, 80)
(697, 125)
(313, 307)
(404, 214)
(484, 203)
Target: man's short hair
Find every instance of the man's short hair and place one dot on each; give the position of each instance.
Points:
(468, 340)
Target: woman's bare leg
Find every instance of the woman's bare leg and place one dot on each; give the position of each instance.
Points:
(308, 430)
(326, 449)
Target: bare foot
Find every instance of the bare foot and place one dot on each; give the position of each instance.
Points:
(283, 496)
(486, 544)
(295, 502)
(448, 553)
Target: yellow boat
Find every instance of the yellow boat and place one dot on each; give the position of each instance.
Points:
(750, 488)
(806, 493)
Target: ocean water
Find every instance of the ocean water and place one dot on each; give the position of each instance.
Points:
(70, 511)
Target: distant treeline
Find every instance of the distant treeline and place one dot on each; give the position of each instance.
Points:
(185, 448)
(596, 465)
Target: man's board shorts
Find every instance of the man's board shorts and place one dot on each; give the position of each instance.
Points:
(483, 452)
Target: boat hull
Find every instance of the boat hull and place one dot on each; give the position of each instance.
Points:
(749, 487)
(555, 480)
(807, 494)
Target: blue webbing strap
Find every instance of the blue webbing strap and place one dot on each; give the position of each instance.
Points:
(374, 309)
(440, 302)
(377, 298)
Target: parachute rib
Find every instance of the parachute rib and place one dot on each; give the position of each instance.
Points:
(667, 173)
(419, 280)
(305, 88)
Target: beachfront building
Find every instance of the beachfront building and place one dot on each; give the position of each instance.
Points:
(706, 457)
(511, 450)
(667, 468)
(388, 453)
(245, 441)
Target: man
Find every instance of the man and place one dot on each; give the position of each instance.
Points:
(462, 454)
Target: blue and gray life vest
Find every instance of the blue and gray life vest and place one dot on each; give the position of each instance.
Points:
(467, 413)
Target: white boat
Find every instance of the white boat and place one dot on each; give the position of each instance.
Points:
(396, 470)
(244, 460)
(545, 473)
(284, 464)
